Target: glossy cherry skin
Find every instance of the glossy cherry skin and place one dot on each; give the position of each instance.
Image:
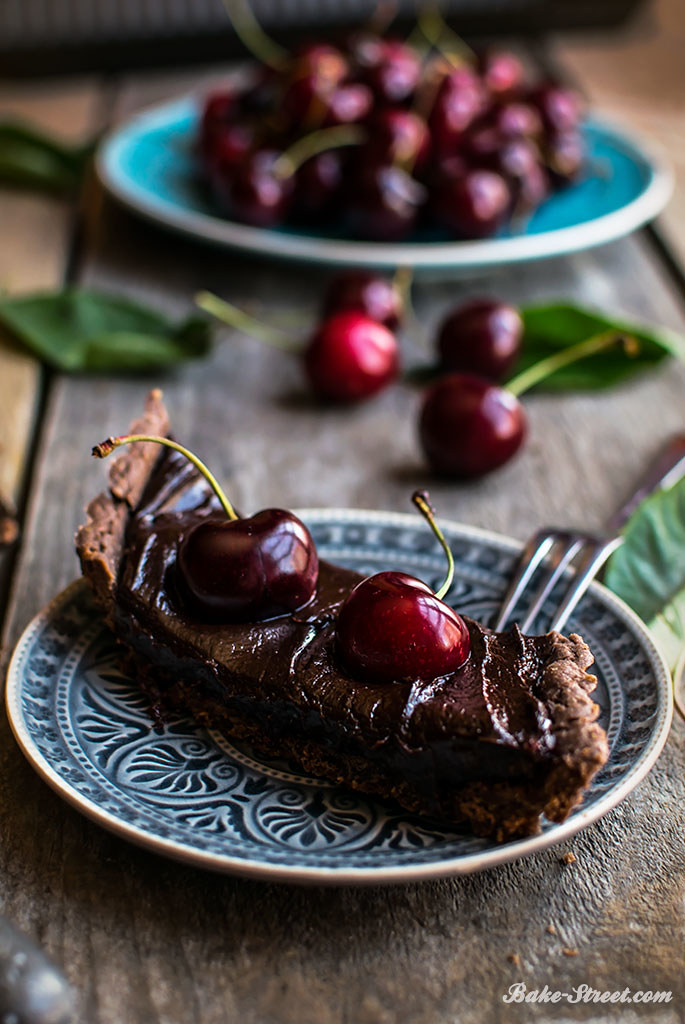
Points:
(350, 357)
(389, 67)
(474, 205)
(501, 71)
(560, 108)
(459, 102)
(318, 183)
(258, 195)
(326, 62)
(362, 290)
(516, 118)
(469, 426)
(482, 337)
(399, 136)
(565, 155)
(385, 203)
(347, 104)
(247, 570)
(392, 627)
(218, 111)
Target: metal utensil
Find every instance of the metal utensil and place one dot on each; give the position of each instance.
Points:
(588, 552)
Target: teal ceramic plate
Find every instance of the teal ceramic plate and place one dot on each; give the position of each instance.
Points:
(148, 164)
(189, 793)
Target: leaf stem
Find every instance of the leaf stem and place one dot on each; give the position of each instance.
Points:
(317, 142)
(527, 379)
(422, 502)
(106, 447)
(229, 314)
(253, 36)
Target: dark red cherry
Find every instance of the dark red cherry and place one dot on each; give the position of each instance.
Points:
(398, 136)
(259, 195)
(482, 337)
(390, 67)
(469, 426)
(393, 627)
(565, 155)
(459, 102)
(247, 570)
(219, 109)
(229, 149)
(385, 203)
(519, 162)
(362, 290)
(347, 104)
(501, 71)
(516, 118)
(475, 205)
(350, 357)
(318, 183)
(304, 103)
(322, 60)
(560, 107)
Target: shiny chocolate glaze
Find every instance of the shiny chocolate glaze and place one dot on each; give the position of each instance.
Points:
(285, 672)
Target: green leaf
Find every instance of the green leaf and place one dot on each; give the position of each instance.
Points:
(547, 329)
(648, 570)
(31, 159)
(79, 330)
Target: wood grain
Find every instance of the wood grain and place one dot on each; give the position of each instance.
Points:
(36, 232)
(146, 940)
(637, 77)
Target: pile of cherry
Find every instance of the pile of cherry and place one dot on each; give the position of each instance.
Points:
(377, 140)
(469, 424)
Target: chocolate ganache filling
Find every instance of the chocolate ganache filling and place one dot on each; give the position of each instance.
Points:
(285, 670)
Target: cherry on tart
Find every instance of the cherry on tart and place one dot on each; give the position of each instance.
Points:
(234, 569)
(393, 627)
(482, 337)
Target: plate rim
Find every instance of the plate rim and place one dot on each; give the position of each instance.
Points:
(456, 255)
(450, 866)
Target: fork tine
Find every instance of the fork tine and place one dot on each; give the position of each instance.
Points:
(595, 555)
(564, 550)
(531, 556)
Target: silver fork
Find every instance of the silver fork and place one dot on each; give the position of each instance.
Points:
(586, 551)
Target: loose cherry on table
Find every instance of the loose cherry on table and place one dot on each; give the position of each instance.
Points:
(393, 627)
(232, 569)
(469, 426)
(349, 357)
(483, 337)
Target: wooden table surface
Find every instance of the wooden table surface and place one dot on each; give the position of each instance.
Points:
(146, 940)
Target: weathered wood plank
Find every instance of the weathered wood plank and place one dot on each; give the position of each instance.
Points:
(146, 940)
(638, 77)
(35, 242)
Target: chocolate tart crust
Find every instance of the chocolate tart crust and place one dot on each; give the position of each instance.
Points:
(177, 671)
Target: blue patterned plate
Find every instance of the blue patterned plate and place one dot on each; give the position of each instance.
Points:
(193, 795)
(149, 165)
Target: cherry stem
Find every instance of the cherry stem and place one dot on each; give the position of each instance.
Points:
(422, 502)
(253, 36)
(229, 314)
(527, 379)
(439, 34)
(314, 143)
(105, 448)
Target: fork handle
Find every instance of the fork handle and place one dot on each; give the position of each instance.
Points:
(667, 469)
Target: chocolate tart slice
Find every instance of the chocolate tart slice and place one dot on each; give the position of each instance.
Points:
(507, 737)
